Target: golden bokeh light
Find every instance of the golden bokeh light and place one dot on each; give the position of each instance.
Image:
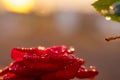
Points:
(45, 7)
(19, 6)
(108, 18)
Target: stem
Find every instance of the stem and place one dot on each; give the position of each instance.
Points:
(112, 38)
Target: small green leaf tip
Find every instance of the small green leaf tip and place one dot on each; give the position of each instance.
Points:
(110, 9)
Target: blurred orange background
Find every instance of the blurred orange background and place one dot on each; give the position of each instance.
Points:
(33, 23)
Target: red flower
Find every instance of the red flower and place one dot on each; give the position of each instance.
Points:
(54, 63)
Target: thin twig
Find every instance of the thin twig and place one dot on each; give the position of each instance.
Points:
(112, 38)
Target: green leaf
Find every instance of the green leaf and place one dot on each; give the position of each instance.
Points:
(104, 7)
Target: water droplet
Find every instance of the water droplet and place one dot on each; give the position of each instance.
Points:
(111, 10)
(65, 54)
(111, 7)
(22, 48)
(56, 52)
(31, 48)
(108, 18)
(71, 50)
(41, 48)
(81, 59)
(104, 12)
(92, 67)
(43, 56)
(0, 70)
(10, 69)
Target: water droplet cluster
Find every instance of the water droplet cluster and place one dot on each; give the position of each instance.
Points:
(52, 63)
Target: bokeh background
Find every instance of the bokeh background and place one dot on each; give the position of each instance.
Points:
(33, 23)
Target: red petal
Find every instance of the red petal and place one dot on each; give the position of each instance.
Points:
(19, 68)
(4, 71)
(11, 76)
(84, 73)
(18, 53)
(67, 73)
(41, 66)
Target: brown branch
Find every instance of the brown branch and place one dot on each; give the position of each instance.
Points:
(112, 38)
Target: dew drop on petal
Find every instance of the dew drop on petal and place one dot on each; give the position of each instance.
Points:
(92, 67)
(71, 50)
(22, 48)
(0, 70)
(41, 48)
